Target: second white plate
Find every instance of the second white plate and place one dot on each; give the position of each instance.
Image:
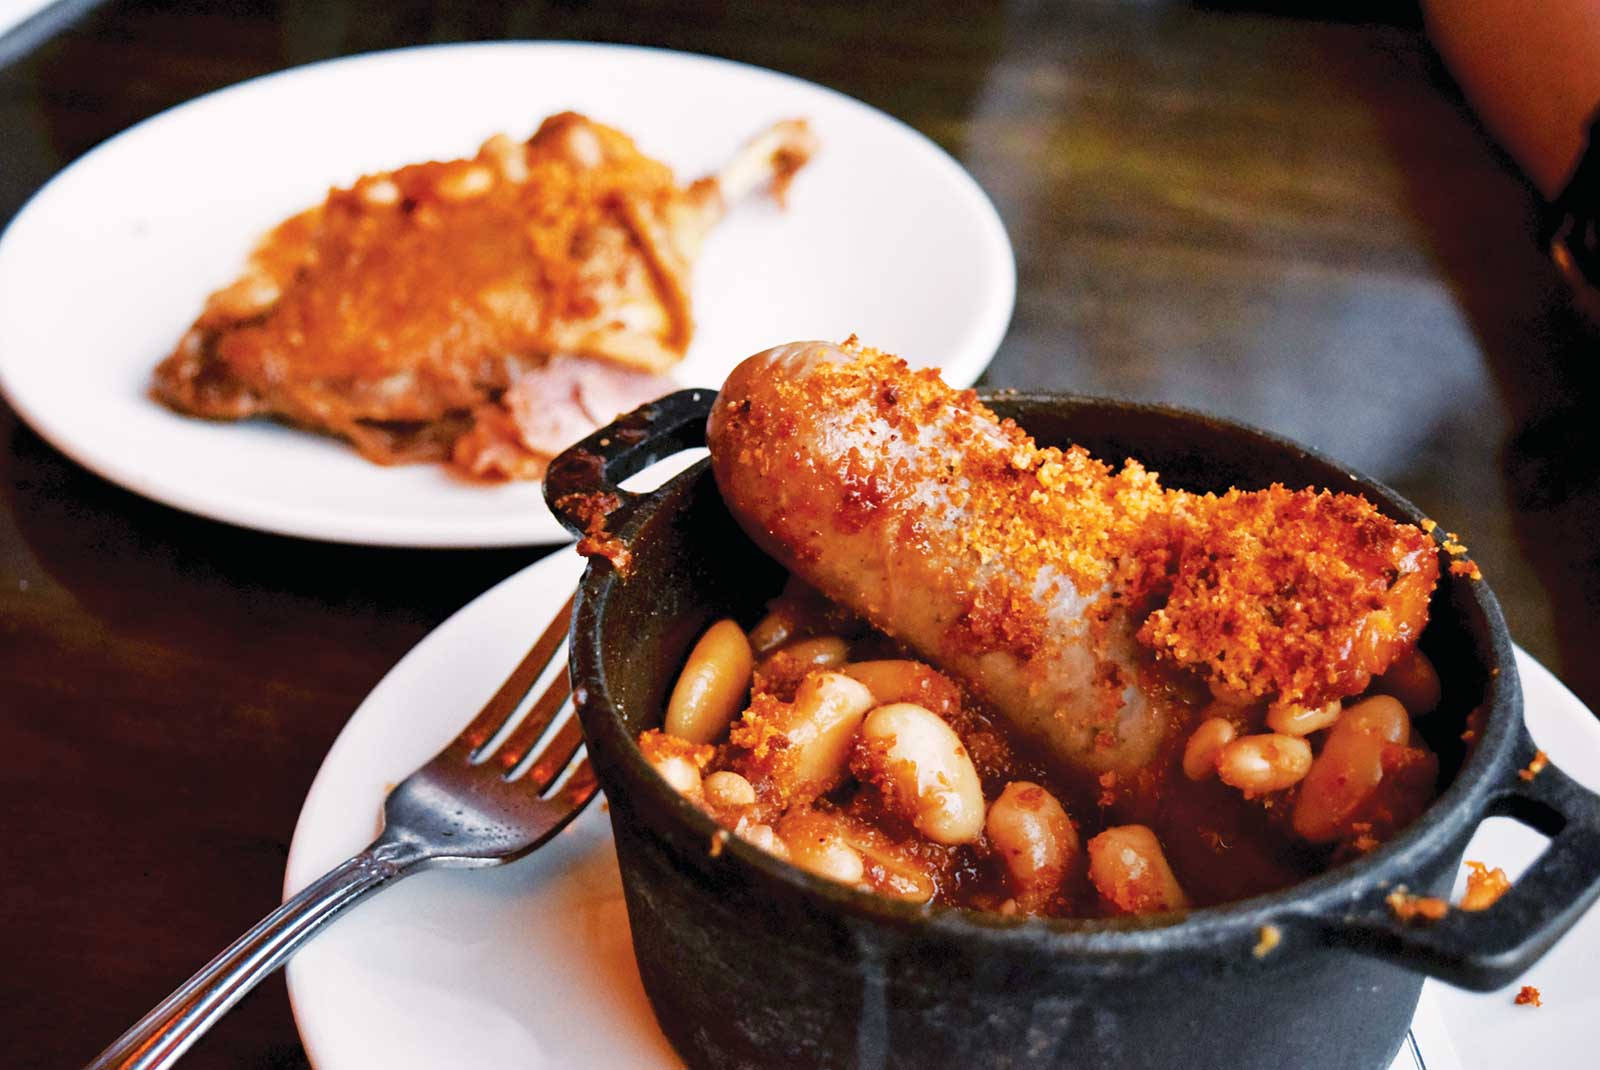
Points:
(885, 236)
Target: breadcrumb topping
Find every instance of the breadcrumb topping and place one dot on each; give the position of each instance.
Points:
(1298, 594)
(1419, 908)
(1305, 594)
(658, 746)
(1268, 939)
(1485, 886)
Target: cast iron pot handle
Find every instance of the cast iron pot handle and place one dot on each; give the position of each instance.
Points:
(1487, 949)
(580, 486)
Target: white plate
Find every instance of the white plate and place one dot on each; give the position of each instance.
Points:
(531, 965)
(885, 235)
(14, 13)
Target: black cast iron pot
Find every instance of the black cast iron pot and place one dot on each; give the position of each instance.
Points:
(752, 963)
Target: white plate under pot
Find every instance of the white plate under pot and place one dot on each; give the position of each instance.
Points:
(531, 965)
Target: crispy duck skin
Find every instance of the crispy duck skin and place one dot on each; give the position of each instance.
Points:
(1056, 588)
(394, 312)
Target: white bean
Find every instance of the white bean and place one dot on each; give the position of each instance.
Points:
(1205, 743)
(728, 789)
(1294, 719)
(763, 837)
(681, 773)
(713, 686)
(900, 680)
(1349, 769)
(892, 873)
(1413, 681)
(820, 728)
(1130, 871)
(815, 845)
(821, 652)
(1035, 839)
(1268, 762)
(1380, 715)
(773, 630)
(925, 771)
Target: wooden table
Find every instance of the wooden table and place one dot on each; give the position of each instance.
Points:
(1290, 222)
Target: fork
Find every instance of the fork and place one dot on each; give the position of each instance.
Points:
(481, 801)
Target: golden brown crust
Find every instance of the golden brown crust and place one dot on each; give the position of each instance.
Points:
(1298, 594)
(1485, 886)
(1419, 909)
(761, 750)
(396, 313)
(658, 746)
(415, 294)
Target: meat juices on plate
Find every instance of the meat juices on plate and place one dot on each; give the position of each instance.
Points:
(1065, 594)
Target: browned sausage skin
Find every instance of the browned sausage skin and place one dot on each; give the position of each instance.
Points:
(1062, 592)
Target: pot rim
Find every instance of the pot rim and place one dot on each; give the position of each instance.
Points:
(1342, 891)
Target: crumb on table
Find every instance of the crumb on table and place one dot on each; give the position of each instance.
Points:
(1270, 937)
(1485, 886)
(1409, 908)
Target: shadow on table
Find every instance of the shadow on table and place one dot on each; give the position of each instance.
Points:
(1542, 354)
(141, 568)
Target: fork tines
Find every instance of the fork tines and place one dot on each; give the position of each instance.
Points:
(481, 737)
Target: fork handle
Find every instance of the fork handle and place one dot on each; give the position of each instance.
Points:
(162, 1036)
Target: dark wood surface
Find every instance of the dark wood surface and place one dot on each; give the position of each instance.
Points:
(1288, 221)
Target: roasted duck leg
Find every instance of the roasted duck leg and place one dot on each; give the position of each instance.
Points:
(488, 310)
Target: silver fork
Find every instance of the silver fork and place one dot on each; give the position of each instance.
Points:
(479, 802)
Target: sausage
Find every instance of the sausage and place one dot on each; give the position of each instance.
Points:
(867, 486)
(1058, 590)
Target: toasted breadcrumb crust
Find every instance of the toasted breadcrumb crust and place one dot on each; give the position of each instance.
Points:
(399, 312)
(1535, 767)
(592, 510)
(1528, 995)
(1298, 594)
(659, 746)
(895, 779)
(404, 298)
(1485, 886)
(1415, 908)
